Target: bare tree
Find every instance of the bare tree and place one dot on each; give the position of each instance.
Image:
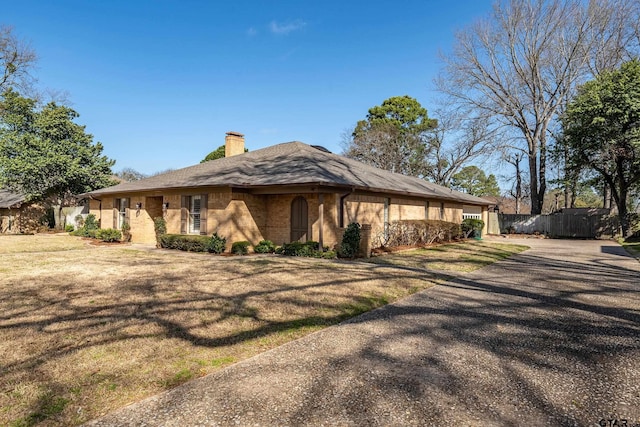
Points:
(517, 190)
(16, 60)
(520, 65)
(458, 139)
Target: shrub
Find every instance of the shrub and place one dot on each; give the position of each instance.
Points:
(160, 228)
(329, 254)
(350, 245)
(307, 249)
(108, 235)
(91, 223)
(185, 242)
(265, 247)
(79, 220)
(217, 244)
(240, 248)
(472, 227)
(89, 227)
(126, 231)
(69, 228)
(419, 233)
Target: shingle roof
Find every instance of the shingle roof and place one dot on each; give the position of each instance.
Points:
(291, 163)
(9, 199)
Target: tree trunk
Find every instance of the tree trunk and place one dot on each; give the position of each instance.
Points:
(624, 216)
(536, 207)
(542, 175)
(518, 187)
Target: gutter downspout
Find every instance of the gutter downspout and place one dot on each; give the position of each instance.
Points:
(341, 208)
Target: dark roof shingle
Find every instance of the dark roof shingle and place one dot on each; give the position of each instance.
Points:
(9, 199)
(291, 163)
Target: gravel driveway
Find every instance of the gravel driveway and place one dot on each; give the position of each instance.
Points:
(548, 337)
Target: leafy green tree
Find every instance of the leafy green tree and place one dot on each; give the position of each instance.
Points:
(216, 154)
(472, 180)
(393, 137)
(602, 132)
(44, 154)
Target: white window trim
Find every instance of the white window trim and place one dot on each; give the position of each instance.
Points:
(193, 214)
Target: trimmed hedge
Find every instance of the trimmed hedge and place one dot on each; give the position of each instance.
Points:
(108, 235)
(185, 242)
(307, 249)
(265, 247)
(240, 248)
(422, 232)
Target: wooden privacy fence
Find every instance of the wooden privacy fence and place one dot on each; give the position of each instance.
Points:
(588, 225)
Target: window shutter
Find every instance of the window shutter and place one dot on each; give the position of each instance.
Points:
(116, 212)
(127, 210)
(203, 214)
(184, 213)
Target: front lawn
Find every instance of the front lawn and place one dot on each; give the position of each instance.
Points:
(87, 329)
(454, 257)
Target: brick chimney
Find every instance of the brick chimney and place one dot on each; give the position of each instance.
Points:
(233, 144)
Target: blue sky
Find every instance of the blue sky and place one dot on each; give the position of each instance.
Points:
(158, 83)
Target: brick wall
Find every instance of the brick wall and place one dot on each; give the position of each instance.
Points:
(242, 216)
(23, 220)
(401, 209)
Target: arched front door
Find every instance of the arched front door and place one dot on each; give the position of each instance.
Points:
(299, 219)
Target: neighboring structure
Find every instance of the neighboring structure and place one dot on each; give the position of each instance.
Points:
(283, 193)
(17, 215)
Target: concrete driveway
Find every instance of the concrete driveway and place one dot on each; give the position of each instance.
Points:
(548, 337)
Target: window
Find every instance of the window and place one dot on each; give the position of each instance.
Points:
(120, 215)
(122, 212)
(194, 214)
(442, 211)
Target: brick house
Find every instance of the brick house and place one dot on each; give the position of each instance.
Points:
(287, 192)
(17, 215)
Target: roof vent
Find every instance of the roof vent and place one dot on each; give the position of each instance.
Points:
(321, 148)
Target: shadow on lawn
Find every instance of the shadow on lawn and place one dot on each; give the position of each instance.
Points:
(79, 322)
(556, 348)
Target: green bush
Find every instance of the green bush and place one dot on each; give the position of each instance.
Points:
(89, 227)
(265, 247)
(307, 249)
(108, 235)
(160, 228)
(185, 242)
(217, 244)
(329, 254)
(91, 223)
(69, 228)
(350, 245)
(472, 227)
(240, 248)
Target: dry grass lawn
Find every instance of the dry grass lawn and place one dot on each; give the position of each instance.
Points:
(455, 257)
(87, 329)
